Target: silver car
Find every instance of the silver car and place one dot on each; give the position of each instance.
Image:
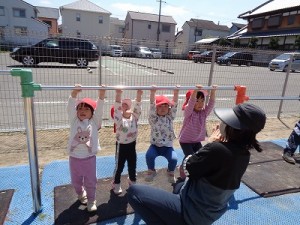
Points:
(143, 52)
(156, 53)
(281, 62)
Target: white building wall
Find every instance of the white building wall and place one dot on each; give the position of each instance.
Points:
(114, 30)
(36, 30)
(139, 30)
(88, 25)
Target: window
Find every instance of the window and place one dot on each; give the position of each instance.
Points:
(48, 22)
(2, 12)
(100, 19)
(149, 26)
(274, 21)
(52, 44)
(258, 23)
(78, 34)
(121, 29)
(21, 31)
(198, 32)
(77, 16)
(166, 28)
(291, 19)
(19, 12)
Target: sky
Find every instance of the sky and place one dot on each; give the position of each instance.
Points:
(224, 12)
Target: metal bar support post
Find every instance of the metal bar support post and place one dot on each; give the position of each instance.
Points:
(28, 88)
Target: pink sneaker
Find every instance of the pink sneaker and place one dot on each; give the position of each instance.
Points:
(83, 198)
(150, 174)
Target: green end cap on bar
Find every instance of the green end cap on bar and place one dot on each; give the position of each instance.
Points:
(27, 84)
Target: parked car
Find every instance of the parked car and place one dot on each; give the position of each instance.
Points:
(191, 53)
(62, 50)
(115, 50)
(239, 58)
(206, 56)
(143, 52)
(156, 53)
(282, 61)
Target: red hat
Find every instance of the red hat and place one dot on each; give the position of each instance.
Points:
(161, 99)
(188, 95)
(87, 101)
(127, 101)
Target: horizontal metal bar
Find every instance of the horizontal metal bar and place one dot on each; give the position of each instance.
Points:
(274, 98)
(4, 72)
(118, 87)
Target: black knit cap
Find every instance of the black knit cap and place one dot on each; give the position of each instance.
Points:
(243, 117)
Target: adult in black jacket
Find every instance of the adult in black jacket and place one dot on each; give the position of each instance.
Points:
(213, 173)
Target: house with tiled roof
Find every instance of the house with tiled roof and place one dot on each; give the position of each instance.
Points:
(144, 26)
(19, 24)
(235, 27)
(84, 19)
(49, 16)
(273, 19)
(197, 29)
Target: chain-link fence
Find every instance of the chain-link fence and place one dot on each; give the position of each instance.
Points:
(65, 64)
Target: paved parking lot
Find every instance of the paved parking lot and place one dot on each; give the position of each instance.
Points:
(143, 72)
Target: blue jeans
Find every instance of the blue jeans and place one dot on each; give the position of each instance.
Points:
(167, 152)
(155, 206)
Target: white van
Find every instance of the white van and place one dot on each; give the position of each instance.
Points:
(115, 50)
(281, 62)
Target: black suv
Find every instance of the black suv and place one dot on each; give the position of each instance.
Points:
(239, 58)
(62, 50)
(206, 56)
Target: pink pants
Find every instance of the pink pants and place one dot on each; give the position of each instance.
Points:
(83, 176)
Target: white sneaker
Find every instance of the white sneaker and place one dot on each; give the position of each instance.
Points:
(117, 189)
(171, 177)
(130, 182)
(83, 198)
(150, 174)
(91, 206)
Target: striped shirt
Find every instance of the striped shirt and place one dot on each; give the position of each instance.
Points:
(193, 129)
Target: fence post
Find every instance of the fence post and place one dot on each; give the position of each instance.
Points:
(100, 62)
(241, 94)
(285, 84)
(28, 88)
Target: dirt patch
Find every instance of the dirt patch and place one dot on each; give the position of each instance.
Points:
(51, 144)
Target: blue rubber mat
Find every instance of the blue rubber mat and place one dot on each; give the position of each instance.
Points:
(245, 208)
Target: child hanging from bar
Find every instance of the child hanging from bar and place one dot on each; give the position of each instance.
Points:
(193, 129)
(85, 116)
(161, 116)
(126, 128)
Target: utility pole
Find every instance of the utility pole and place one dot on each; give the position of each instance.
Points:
(159, 14)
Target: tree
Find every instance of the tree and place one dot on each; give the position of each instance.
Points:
(237, 42)
(224, 42)
(274, 43)
(253, 42)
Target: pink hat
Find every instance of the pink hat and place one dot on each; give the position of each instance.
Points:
(127, 101)
(87, 101)
(188, 95)
(161, 99)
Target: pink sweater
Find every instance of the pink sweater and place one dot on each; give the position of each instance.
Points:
(193, 129)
